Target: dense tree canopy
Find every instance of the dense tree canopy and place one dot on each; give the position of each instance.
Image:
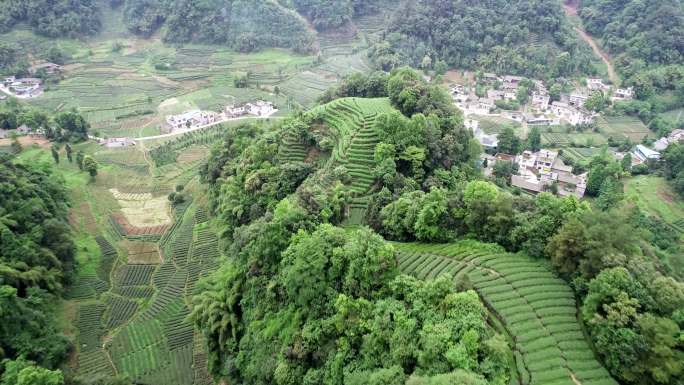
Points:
(526, 37)
(244, 25)
(36, 260)
(54, 18)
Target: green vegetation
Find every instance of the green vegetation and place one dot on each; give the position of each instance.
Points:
(52, 18)
(36, 262)
(536, 308)
(536, 42)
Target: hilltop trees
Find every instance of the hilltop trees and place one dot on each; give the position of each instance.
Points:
(537, 41)
(244, 25)
(349, 314)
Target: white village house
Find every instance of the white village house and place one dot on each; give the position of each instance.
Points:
(537, 171)
(117, 142)
(257, 108)
(190, 119)
(571, 114)
(676, 136)
(644, 153)
(623, 94)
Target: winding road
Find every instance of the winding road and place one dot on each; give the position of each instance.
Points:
(571, 10)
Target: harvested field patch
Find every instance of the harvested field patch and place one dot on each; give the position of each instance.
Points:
(142, 210)
(145, 253)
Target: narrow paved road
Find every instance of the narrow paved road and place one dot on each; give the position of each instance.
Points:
(203, 127)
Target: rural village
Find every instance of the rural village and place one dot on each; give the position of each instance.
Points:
(529, 103)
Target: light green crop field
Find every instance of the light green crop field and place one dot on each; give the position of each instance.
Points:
(655, 196)
(624, 126)
(534, 307)
(126, 85)
(125, 317)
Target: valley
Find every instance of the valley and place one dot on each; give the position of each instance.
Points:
(341, 192)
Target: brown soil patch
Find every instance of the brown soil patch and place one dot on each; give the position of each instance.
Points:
(666, 196)
(27, 141)
(312, 155)
(130, 230)
(143, 253)
(192, 154)
(459, 77)
(81, 215)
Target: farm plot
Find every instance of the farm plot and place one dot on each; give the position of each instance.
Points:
(141, 214)
(134, 275)
(579, 154)
(119, 310)
(536, 308)
(140, 252)
(351, 121)
(91, 358)
(623, 126)
(130, 159)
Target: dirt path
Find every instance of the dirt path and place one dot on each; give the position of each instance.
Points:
(612, 75)
(571, 10)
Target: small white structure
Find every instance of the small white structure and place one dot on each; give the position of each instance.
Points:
(644, 153)
(623, 94)
(117, 142)
(23, 130)
(596, 84)
(540, 101)
(676, 136)
(577, 99)
(573, 115)
(190, 119)
(260, 108)
(24, 87)
(537, 171)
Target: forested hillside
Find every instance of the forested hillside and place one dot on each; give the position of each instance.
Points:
(525, 37)
(331, 303)
(244, 25)
(326, 14)
(645, 38)
(70, 18)
(36, 262)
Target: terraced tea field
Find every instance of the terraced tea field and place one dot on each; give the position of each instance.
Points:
(137, 324)
(351, 121)
(536, 308)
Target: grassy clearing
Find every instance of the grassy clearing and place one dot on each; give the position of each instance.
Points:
(674, 116)
(655, 196)
(624, 126)
(534, 306)
(496, 124)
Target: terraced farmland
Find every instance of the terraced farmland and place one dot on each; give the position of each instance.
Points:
(351, 122)
(537, 308)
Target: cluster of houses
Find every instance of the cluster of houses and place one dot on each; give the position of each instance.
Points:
(676, 136)
(22, 88)
(197, 118)
(29, 87)
(539, 110)
(540, 171)
(21, 130)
